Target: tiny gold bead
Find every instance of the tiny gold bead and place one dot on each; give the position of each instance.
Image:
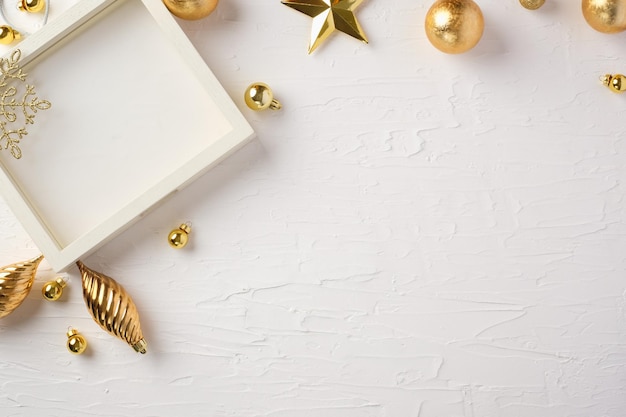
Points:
(76, 343)
(259, 96)
(52, 290)
(615, 83)
(178, 238)
(32, 6)
(8, 35)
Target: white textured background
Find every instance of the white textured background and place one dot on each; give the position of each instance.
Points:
(414, 235)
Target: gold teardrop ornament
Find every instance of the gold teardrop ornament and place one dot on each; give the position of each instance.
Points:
(16, 280)
(111, 307)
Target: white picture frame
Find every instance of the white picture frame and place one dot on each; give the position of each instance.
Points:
(75, 187)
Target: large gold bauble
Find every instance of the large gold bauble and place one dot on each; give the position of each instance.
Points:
(454, 26)
(532, 4)
(191, 9)
(606, 16)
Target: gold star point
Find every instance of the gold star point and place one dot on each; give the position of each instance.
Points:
(328, 16)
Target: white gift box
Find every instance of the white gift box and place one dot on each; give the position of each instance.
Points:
(136, 115)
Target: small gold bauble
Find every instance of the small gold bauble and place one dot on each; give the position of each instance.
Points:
(76, 343)
(616, 83)
(532, 4)
(454, 26)
(259, 96)
(32, 6)
(8, 35)
(178, 238)
(606, 16)
(52, 290)
(191, 9)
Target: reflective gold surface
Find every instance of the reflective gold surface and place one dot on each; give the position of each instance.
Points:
(16, 280)
(32, 6)
(454, 26)
(178, 238)
(76, 343)
(328, 16)
(532, 4)
(111, 307)
(52, 290)
(606, 16)
(616, 83)
(259, 96)
(191, 9)
(8, 35)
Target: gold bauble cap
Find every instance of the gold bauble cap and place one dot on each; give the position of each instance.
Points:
(141, 346)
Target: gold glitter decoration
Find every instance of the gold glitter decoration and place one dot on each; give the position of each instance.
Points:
(454, 26)
(12, 110)
(16, 280)
(111, 307)
(606, 16)
(532, 4)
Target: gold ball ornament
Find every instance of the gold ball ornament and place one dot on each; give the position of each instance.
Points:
(178, 238)
(8, 35)
(532, 4)
(76, 343)
(191, 9)
(606, 16)
(53, 290)
(32, 6)
(454, 26)
(615, 83)
(259, 96)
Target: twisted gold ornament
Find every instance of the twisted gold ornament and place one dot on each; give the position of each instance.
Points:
(16, 280)
(111, 307)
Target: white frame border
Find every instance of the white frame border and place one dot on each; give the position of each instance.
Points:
(60, 258)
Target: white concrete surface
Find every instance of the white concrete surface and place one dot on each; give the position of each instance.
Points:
(414, 235)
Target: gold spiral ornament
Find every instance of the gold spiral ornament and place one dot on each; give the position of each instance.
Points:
(16, 280)
(111, 307)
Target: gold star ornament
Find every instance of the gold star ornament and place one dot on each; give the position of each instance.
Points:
(328, 16)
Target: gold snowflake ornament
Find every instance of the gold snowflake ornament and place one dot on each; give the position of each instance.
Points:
(16, 112)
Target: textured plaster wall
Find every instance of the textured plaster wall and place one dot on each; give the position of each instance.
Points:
(414, 235)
